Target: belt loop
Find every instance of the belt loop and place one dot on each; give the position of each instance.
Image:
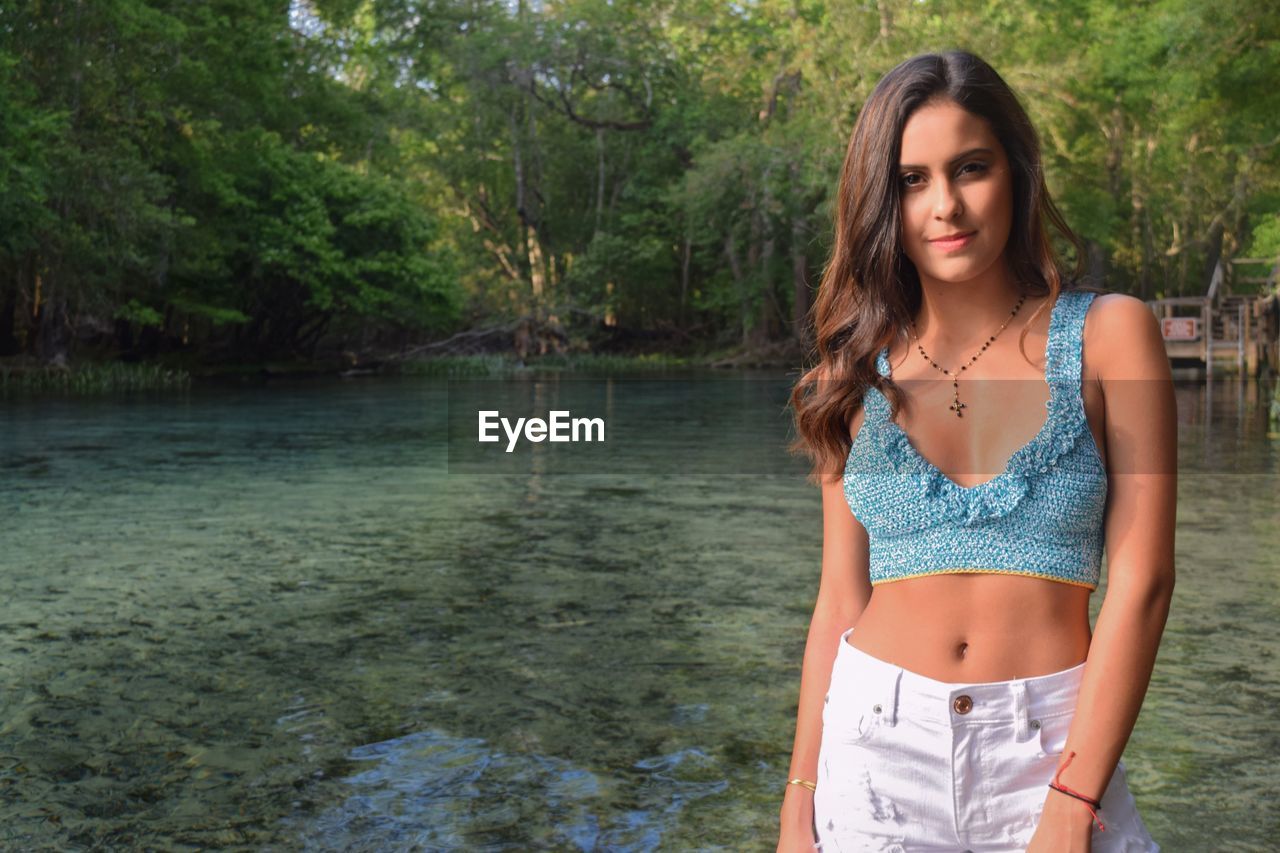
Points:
(892, 693)
(1020, 710)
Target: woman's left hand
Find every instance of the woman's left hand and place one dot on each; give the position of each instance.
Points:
(1066, 826)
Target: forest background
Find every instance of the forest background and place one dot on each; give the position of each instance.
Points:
(334, 181)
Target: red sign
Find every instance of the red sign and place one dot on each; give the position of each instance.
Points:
(1180, 328)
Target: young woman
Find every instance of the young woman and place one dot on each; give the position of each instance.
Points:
(981, 428)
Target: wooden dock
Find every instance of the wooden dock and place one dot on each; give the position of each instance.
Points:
(1240, 329)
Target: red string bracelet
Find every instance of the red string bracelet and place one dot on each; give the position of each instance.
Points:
(1090, 804)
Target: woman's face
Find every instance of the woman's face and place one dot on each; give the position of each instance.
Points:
(948, 186)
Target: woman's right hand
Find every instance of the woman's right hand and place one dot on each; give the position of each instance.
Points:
(796, 821)
(797, 839)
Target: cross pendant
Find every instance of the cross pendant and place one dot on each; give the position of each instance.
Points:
(956, 407)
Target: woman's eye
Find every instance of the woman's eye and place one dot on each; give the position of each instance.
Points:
(978, 168)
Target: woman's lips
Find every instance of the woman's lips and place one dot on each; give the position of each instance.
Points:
(952, 245)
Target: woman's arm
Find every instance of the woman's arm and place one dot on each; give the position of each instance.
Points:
(843, 592)
(1141, 445)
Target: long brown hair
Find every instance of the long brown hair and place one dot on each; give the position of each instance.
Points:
(869, 288)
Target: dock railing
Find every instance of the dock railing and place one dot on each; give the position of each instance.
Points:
(1243, 328)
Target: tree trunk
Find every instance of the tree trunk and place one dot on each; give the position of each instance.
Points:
(772, 319)
(1114, 132)
(799, 282)
(1096, 267)
(599, 177)
(517, 163)
(537, 270)
(1138, 215)
(525, 201)
(8, 312)
(735, 266)
(1188, 223)
(540, 243)
(685, 258)
(753, 265)
(799, 265)
(886, 20)
(1212, 255)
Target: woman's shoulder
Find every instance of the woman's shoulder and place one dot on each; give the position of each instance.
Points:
(1122, 337)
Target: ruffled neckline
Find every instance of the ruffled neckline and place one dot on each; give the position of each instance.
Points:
(998, 496)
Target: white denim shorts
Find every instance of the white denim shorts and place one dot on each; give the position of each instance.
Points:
(908, 763)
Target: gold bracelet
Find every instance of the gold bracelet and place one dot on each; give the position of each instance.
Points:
(810, 785)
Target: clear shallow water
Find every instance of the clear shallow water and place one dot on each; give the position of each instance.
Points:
(276, 618)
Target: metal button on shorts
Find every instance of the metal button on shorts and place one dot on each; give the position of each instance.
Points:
(963, 704)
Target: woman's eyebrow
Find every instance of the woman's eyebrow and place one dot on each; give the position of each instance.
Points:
(961, 156)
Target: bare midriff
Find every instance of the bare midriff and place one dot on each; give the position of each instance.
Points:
(975, 628)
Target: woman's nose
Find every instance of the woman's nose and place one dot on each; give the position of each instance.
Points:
(947, 200)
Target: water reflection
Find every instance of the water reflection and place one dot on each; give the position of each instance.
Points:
(431, 791)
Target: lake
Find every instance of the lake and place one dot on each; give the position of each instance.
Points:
(318, 615)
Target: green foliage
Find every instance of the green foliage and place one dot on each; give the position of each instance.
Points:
(248, 179)
(1273, 413)
(310, 236)
(188, 169)
(26, 132)
(139, 314)
(1264, 242)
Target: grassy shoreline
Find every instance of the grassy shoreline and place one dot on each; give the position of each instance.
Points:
(90, 377)
(511, 365)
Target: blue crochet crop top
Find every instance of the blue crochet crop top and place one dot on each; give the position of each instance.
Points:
(1041, 517)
